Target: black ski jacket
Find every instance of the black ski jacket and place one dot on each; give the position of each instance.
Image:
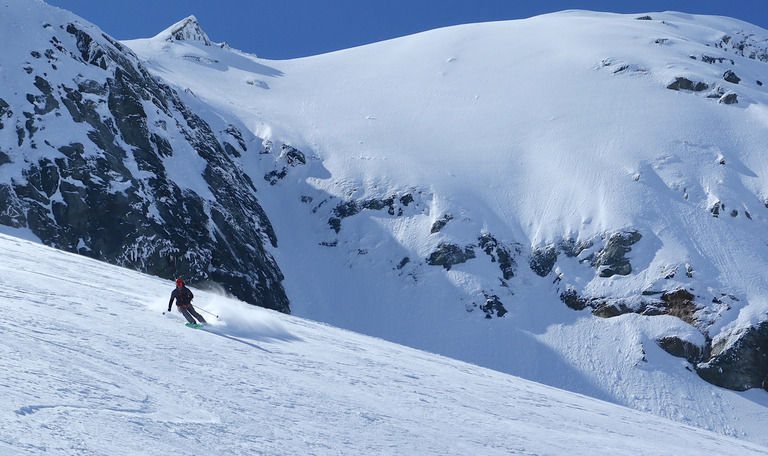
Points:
(183, 297)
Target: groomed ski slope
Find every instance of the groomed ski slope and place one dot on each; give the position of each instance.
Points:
(91, 366)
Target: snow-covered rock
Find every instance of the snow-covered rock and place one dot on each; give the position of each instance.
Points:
(187, 29)
(577, 198)
(620, 159)
(101, 158)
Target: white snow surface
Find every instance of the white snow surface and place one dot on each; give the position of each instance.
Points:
(528, 130)
(555, 127)
(91, 366)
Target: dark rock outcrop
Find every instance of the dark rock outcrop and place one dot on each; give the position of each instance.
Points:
(110, 194)
(440, 223)
(739, 365)
(448, 255)
(289, 157)
(729, 98)
(502, 254)
(678, 303)
(572, 299)
(612, 256)
(681, 83)
(354, 207)
(543, 260)
(731, 77)
(681, 348)
(744, 44)
(493, 305)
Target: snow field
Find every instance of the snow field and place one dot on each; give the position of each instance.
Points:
(92, 366)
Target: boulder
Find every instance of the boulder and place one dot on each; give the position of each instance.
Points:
(612, 256)
(681, 83)
(447, 255)
(729, 98)
(543, 260)
(681, 348)
(731, 77)
(739, 362)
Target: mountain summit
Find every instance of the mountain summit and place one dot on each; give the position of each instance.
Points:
(99, 157)
(577, 198)
(517, 185)
(187, 29)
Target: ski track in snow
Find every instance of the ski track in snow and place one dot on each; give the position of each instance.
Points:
(92, 366)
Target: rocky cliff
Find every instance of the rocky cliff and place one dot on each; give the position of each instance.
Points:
(100, 158)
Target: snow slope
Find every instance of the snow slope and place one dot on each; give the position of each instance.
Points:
(537, 131)
(524, 127)
(92, 366)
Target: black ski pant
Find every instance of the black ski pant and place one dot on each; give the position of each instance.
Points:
(188, 311)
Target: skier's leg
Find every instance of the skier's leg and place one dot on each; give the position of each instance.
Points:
(199, 317)
(184, 311)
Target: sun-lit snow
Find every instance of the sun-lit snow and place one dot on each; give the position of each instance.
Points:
(534, 131)
(92, 366)
(559, 126)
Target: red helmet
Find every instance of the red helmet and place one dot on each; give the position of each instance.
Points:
(179, 282)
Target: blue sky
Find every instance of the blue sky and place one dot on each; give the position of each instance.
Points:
(282, 29)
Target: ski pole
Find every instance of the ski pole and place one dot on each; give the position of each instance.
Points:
(200, 308)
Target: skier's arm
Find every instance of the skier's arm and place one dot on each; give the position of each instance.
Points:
(173, 296)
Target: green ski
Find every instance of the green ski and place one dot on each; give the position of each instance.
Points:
(196, 326)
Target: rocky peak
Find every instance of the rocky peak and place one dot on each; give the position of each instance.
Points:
(89, 141)
(187, 29)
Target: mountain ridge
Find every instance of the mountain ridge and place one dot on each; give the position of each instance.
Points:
(577, 169)
(186, 29)
(101, 158)
(487, 191)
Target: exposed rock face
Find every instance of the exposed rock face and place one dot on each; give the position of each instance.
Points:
(448, 255)
(112, 190)
(679, 303)
(744, 44)
(493, 304)
(729, 98)
(738, 362)
(741, 365)
(393, 204)
(543, 260)
(731, 77)
(681, 83)
(289, 157)
(440, 223)
(681, 348)
(612, 256)
(502, 254)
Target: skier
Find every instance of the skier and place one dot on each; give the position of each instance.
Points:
(183, 297)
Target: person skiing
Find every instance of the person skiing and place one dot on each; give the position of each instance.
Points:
(183, 297)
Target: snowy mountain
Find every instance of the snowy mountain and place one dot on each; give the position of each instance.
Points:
(91, 366)
(576, 198)
(99, 157)
(474, 191)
